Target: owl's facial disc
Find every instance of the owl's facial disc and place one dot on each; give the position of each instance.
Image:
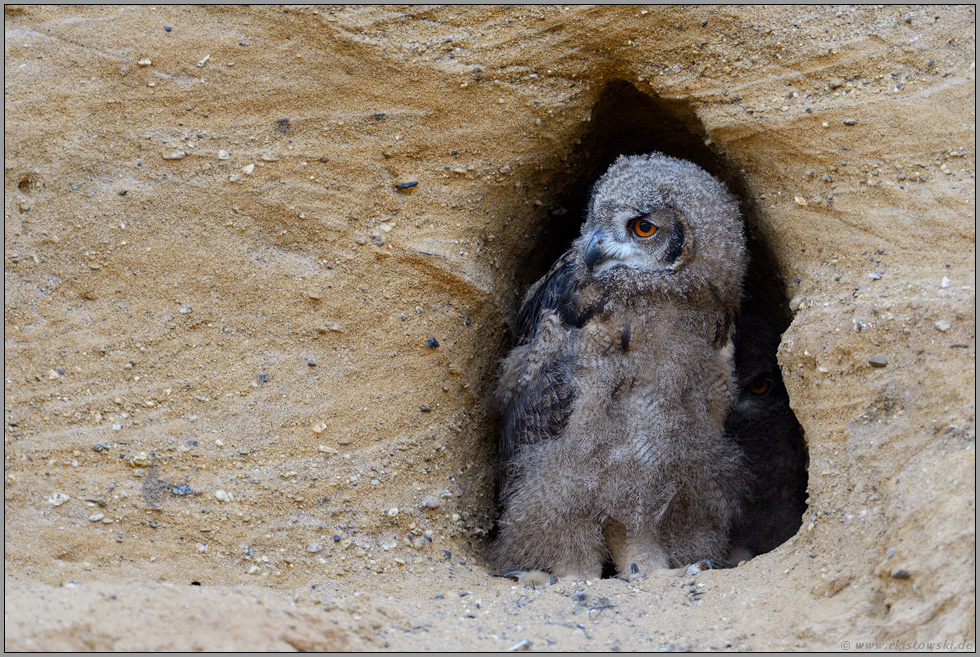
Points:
(647, 241)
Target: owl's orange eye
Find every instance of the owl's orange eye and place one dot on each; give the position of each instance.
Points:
(643, 227)
(759, 387)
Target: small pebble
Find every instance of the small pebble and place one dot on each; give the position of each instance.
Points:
(942, 325)
(58, 499)
(144, 62)
(901, 573)
(248, 169)
(97, 517)
(223, 496)
(167, 28)
(431, 503)
(314, 548)
(875, 276)
(525, 644)
(407, 185)
(141, 460)
(850, 121)
(392, 512)
(181, 489)
(432, 342)
(224, 155)
(424, 408)
(878, 361)
(178, 155)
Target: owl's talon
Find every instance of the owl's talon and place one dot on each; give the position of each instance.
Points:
(633, 575)
(534, 578)
(698, 567)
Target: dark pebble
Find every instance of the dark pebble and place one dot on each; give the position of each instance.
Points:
(123, 192)
(850, 122)
(191, 442)
(901, 573)
(167, 28)
(878, 361)
(181, 489)
(424, 408)
(432, 342)
(264, 378)
(378, 115)
(282, 125)
(324, 159)
(99, 447)
(336, 538)
(407, 185)
(447, 554)
(440, 596)
(311, 363)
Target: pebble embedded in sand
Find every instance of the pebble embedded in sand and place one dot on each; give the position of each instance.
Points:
(177, 155)
(223, 496)
(141, 460)
(57, 499)
(878, 361)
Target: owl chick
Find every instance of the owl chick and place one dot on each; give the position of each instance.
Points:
(764, 426)
(613, 403)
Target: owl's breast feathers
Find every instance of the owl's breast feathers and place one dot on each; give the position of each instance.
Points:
(536, 391)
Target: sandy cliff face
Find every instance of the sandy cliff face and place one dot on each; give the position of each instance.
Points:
(232, 238)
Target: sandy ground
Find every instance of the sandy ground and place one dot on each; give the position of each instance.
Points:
(224, 427)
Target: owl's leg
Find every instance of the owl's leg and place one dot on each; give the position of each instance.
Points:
(640, 555)
(532, 552)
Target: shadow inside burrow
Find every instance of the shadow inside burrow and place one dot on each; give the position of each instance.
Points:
(625, 121)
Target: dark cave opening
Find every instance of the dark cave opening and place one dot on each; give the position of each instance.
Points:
(626, 121)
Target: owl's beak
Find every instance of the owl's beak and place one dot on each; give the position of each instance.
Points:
(596, 252)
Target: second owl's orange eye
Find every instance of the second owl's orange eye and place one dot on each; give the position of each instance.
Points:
(643, 228)
(759, 387)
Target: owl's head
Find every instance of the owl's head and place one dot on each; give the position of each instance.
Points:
(659, 219)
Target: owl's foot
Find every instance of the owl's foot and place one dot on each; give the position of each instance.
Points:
(697, 567)
(534, 578)
(633, 575)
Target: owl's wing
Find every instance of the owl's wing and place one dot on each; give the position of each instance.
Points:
(553, 291)
(535, 392)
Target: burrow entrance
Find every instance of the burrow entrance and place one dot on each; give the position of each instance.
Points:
(628, 122)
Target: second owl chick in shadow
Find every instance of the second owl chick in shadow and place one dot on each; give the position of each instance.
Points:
(764, 426)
